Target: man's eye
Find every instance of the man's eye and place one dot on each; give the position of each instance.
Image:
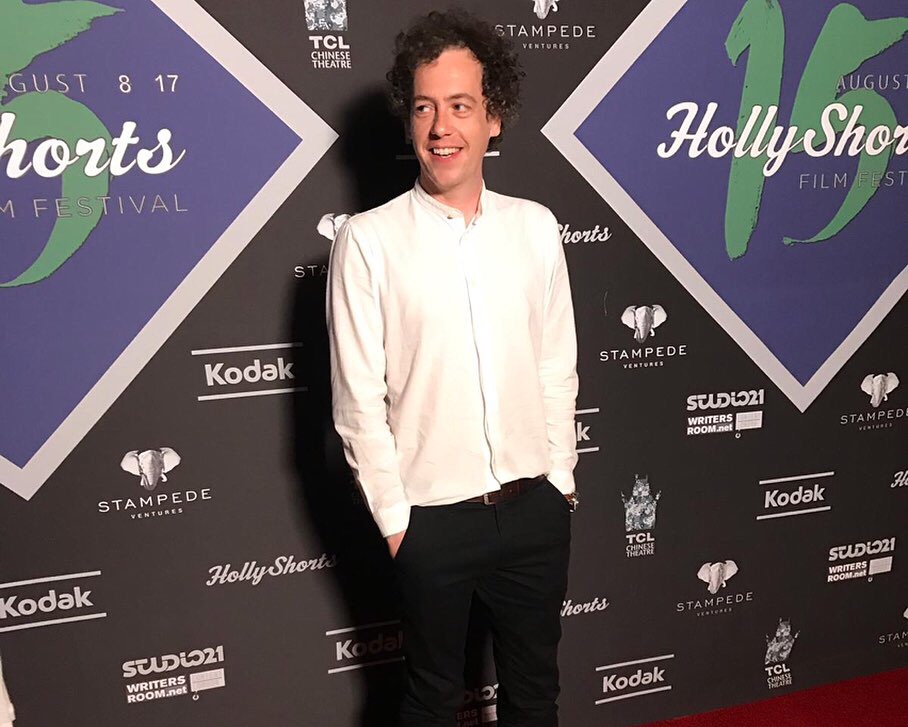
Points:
(460, 107)
(421, 109)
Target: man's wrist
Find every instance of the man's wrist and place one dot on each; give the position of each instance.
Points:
(573, 500)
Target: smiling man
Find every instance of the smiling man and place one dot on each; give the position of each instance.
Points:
(453, 368)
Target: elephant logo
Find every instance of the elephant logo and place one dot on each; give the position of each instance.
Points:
(778, 648)
(879, 386)
(330, 223)
(640, 507)
(151, 465)
(542, 7)
(644, 319)
(26, 32)
(906, 613)
(326, 14)
(716, 575)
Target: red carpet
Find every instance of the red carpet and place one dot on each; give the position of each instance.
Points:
(880, 700)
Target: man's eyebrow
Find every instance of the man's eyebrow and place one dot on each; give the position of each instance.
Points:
(453, 97)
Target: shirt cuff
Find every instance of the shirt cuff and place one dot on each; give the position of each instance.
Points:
(563, 480)
(392, 520)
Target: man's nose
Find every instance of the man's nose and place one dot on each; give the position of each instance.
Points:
(439, 124)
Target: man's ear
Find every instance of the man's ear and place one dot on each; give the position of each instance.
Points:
(495, 129)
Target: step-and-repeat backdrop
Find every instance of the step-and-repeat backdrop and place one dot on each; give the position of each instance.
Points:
(180, 540)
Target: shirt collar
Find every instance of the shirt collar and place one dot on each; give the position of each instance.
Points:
(449, 213)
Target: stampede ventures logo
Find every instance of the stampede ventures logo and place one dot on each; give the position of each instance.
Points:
(173, 675)
(745, 110)
(778, 649)
(328, 226)
(716, 577)
(897, 639)
(643, 320)
(640, 518)
(151, 467)
(119, 196)
(330, 48)
(549, 35)
(878, 387)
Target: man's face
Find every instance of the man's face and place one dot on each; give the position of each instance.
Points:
(448, 122)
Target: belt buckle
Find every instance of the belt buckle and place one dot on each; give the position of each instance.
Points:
(485, 498)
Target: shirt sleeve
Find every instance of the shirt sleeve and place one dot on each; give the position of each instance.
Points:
(558, 364)
(359, 390)
(7, 713)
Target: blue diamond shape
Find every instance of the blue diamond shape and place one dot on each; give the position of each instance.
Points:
(799, 310)
(73, 341)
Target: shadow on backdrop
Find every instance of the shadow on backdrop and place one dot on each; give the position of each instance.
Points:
(371, 141)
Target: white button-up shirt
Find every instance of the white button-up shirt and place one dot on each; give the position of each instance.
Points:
(453, 351)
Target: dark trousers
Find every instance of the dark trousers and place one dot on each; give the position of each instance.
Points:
(514, 558)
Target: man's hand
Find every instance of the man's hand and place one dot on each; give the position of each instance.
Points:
(394, 542)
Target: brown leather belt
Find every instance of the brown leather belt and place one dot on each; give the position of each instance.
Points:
(509, 491)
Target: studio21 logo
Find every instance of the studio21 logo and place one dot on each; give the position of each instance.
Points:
(52, 135)
(858, 123)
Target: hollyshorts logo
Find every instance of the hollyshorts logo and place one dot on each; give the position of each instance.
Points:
(640, 518)
(716, 412)
(897, 639)
(584, 422)
(778, 649)
(645, 352)
(119, 195)
(253, 573)
(569, 608)
(637, 678)
(174, 675)
(793, 496)
(881, 84)
(899, 479)
(359, 647)
(151, 499)
(744, 106)
(328, 18)
(878, 387)
(721, 599)
(860, 560)
(570, 236)
(554, 34)
(50, 601)
(239, 372)
(480, 706)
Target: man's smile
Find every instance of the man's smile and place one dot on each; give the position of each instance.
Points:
(445, 152)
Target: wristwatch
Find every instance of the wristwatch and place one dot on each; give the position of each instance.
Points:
(573, 500)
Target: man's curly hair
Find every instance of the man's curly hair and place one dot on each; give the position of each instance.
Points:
(434, 33)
